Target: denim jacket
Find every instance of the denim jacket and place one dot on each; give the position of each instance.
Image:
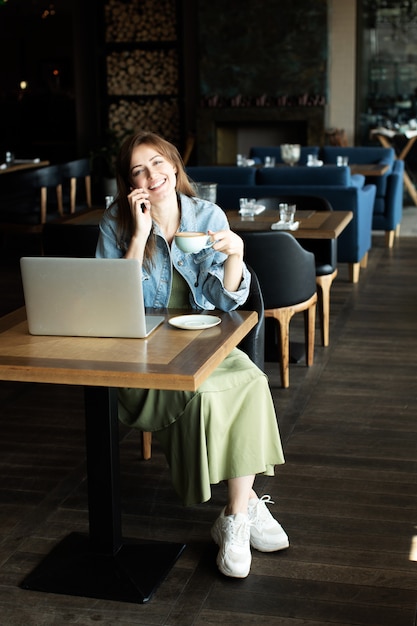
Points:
(203, 271)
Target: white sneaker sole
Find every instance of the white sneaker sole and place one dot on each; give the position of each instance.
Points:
(283, 545)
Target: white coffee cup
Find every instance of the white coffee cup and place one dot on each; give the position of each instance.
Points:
(192, 242)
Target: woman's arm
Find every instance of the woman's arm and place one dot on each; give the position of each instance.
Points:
(231, 244)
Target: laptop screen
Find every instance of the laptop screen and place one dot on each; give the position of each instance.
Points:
(85, 297)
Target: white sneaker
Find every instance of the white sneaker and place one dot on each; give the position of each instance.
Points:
(232, 535)
(266, 534)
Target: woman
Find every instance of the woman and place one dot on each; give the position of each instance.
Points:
(227, 430)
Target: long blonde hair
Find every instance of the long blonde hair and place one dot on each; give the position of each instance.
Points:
(124, 181)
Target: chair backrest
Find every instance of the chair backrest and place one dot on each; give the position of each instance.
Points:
(73, 171)
(303, 203)
(358, 154)
(324, 250)
(49, 177)
(303, 175)
(76, 169)
(254, 342)
(286, 272)
(45, 183)
(222, 174)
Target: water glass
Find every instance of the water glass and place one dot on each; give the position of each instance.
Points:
(269, 161)
(342, 160)
(243, 202)
(287, 213)
(206, 191)
(247, 206)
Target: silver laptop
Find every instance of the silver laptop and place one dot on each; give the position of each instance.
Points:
(80, 297)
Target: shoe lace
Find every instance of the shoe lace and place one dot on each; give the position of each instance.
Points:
(260, 514)
(238, 532)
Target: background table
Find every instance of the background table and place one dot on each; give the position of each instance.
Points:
(313, 224)
(19, 167)
(369, 169)
(102, 564)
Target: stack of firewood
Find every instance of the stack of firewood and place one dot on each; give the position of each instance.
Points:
(140, 20)
(160, 116)
(142, 72)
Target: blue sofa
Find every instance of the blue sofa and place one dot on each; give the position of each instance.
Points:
(344, 192)
(388, 204)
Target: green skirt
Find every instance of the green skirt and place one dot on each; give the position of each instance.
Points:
(225, 429)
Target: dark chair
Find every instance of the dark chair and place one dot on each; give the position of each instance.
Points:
(36, 198)
(253, 344)
(72, 172)
(287, 277)
(388, 204)
(325, 254)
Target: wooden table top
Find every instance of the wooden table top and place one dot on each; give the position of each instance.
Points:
(369, 169)
(313, 224)
(17, 167)
(169, 358)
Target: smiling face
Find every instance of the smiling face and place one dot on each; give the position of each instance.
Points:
(152, 172)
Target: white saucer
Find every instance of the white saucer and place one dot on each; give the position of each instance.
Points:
(255, 209)
(194, 322)
(285, 226)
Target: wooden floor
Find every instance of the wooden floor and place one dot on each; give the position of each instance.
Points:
(347, 495)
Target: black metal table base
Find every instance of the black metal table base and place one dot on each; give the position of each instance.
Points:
(103, 564)
(131, 575)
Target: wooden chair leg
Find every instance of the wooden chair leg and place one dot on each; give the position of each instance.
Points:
(146, 445)
(324, 283)
(59, 200)
(43, 207)
(389, 238)
(354, 269)
(364, 261)
(73, 194)
(88, 191)
(283, 318)
(310, 329)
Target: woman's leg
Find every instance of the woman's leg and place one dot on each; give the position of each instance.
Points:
(240, 492)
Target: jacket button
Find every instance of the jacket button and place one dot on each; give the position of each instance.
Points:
(180, 262)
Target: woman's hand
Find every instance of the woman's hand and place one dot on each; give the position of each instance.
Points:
(141, 212)
(230, 243)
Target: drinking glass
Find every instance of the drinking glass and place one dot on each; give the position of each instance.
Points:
(287, 213)
(342, 160)
(290, 153)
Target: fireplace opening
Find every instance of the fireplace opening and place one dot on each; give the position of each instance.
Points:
(222, 133)
(234, 138)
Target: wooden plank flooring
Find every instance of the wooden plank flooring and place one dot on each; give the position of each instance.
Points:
(347, 495)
